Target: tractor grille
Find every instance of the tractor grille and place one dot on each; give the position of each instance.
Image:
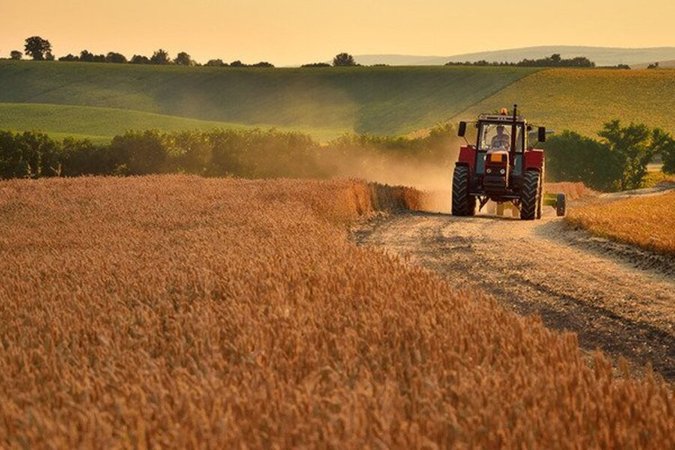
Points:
(495, 182)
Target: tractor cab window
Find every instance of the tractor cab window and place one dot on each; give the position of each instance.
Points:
(497, 136)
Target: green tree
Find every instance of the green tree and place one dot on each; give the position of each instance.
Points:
(344, 59)
(665, 146)
(573, 157)
(160, 57)
(15, 55)
(86, 56)
(140, 153)
(69, 57)
(116, 58)
(190, 151)
(216, 63)
(37, 48)
(81, 157)
(28, 155)
(183, 59)
(140, 59)
(635, 148)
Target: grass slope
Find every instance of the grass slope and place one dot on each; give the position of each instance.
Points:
(382, 100)
(582, 100)
(101, 124)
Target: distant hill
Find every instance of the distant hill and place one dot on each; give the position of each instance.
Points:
(662, 64)
(602, 56)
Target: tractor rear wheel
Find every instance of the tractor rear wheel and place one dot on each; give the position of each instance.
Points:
(463, 204)
(530, 195)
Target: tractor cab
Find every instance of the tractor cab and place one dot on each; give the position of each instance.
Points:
(501, 140)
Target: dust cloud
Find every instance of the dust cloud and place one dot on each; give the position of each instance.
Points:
(428, 170)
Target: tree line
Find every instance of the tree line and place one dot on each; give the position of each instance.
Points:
(616, 161)
(40, 49)
(244, 153)
(554, 60)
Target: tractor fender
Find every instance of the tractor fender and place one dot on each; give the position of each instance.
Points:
(534, 160)
(467, 157)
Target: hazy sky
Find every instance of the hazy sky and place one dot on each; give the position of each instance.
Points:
(287, 32)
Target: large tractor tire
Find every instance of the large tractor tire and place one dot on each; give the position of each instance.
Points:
(463, 204)
(530, 195)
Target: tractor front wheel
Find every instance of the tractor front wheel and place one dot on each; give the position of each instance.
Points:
(463, 204)
(530, 195)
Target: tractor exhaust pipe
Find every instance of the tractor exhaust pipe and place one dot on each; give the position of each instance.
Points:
(513, 129)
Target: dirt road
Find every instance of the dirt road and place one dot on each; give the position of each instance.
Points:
(614, 297)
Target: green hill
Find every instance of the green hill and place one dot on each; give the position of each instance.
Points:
(322, 101)
(101, 124)
(582, 100)
(101, 100)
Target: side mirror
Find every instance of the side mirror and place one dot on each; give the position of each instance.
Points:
(542, 134)
(462, 129)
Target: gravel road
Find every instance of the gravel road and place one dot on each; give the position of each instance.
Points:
(614, 297)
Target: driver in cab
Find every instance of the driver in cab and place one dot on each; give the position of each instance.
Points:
(501, 140)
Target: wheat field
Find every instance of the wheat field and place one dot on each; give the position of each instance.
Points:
(182, 312)
(645, 221)
(572, 190)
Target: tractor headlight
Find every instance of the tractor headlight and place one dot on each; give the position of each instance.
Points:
(503, 171)
(489, 170)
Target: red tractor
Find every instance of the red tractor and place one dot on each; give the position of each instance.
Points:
(501, 167)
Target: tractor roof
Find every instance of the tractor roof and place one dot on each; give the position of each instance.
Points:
(499, 118)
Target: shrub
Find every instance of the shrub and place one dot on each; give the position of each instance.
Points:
(573, 157)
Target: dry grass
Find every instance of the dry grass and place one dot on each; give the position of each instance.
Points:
(573, 190)
(645, 221)
(657, 178)
(185, 312)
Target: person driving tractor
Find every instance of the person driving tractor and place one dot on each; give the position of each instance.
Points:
(501, 140)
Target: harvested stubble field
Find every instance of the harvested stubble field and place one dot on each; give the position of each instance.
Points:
(186, 312)
(645, 221)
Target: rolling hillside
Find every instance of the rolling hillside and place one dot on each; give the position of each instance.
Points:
(582, 100)
(381, 100)
(101, 100)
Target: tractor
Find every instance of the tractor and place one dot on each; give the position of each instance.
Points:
(502, 167)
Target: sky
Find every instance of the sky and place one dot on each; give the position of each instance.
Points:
(292, 32)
